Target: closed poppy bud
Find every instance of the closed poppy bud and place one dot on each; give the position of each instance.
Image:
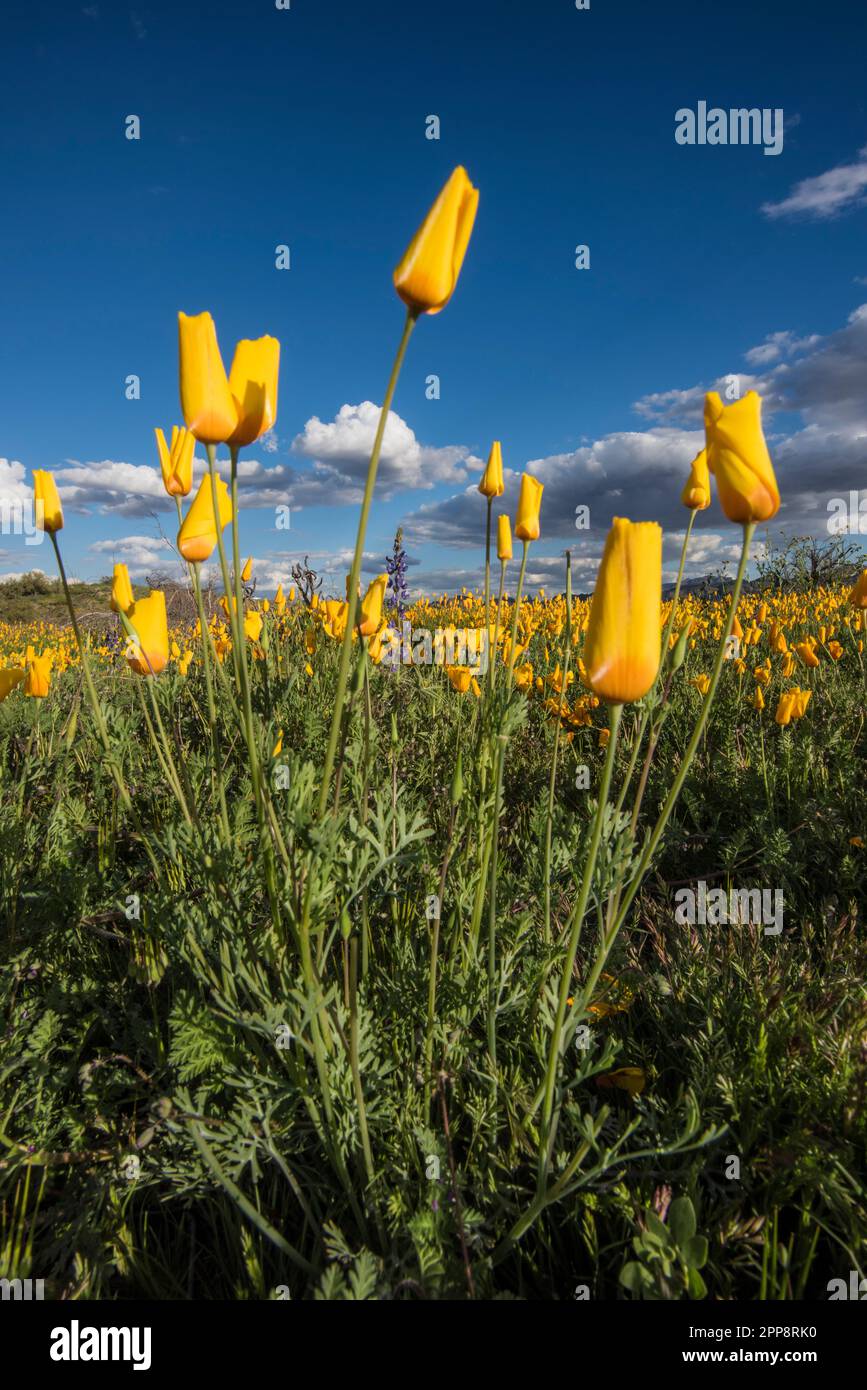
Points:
(358, 677)
(38, 675)
(758, 698)
(806, 653)
(46, 500)
(427, 275)
(247, 571)
(504, 538)
(858, 595)
(371, 606)
(253, 384)
(457, 788)
(176, 461)
(801, 701)
(737, 630)
(785, 708)
(529, 503)
(122, 597)
(492, 484)
(696, 493)
(622, 646)
(148, 648)
(738, 457)
(679, 654)
(207, 403)
(9, 679)
(762, 613)
(198, 534)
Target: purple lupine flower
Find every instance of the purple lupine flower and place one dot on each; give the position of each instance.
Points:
(396, 566)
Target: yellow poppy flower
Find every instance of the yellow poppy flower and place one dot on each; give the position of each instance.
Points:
(622, 646)
(427, 275)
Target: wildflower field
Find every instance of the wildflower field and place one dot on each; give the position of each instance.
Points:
(498, 945)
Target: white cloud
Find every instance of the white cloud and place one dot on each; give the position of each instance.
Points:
(19, 574)
(126, 488)
(141, 554)
(622, 474)
(338, 454)
(825, 195)
(342, 448)
(777, 345)
(14, 491)
(640, 474)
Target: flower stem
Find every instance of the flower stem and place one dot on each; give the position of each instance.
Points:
(97, 712)
(552, 781)
(546, 1134)
(513, 638)
(352, 596)
(217, 776)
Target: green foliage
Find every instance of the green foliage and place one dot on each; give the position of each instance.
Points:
(188, 1112)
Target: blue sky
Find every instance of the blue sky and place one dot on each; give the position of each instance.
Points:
(306, 127)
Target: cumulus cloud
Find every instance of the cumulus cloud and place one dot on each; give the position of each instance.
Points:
(640, 473)
(709, 551)
(778, 345)
(141, 554)
(333, 458)
(341, 448)
(825, 195)
(14, 490)
(623, 474)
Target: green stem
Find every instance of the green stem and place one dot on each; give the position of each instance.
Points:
(352, 597)
(216, 774)
(494, 649)
(97, 712)
(492, 908)
(546, 1134)
(354, 1059)
(513, 638)
(490, 502)
(552, 781)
